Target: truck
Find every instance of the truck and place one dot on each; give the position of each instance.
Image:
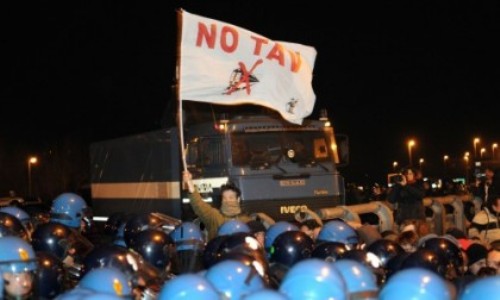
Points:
(281, 168)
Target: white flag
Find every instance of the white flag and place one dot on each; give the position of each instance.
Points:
(225, 64)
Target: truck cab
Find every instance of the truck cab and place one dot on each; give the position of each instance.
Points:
(281, 168)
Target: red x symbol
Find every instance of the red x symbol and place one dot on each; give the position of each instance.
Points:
(245, 77)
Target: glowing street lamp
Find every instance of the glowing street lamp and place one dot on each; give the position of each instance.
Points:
(466, 160)
(31, 161)
(493, 147)
(420, 163)
(394, 165)
(483, 150)
(411, 143)
(476, 141)
(445, 159)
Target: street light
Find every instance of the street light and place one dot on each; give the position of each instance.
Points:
(394, 165)
(493, 147)
(31, 161)
(420, 163)
(445, 159)
(476, 141)
(411, 143)
(466, 160)
(483, 150)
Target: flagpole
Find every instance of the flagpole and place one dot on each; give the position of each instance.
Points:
(177, 90)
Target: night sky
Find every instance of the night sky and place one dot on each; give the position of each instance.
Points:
(385, 70)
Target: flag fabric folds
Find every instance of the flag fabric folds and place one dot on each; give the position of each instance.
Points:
(224, 64)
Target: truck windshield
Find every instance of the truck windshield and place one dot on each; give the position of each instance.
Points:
(260, 149)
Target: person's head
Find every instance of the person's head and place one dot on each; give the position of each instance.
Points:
(17, 267)
(231, 197)
(493, 259)
(409, 173)
(310, 227)
(494, 205)
(71, 210)
(489, 173)
(476, 255)
(21, 215)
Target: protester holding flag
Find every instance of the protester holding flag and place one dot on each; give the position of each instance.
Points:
(212, 217)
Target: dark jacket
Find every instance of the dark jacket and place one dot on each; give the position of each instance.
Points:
(409, 203)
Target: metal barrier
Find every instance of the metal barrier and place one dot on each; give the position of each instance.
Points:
(439, 222)
(352, 212)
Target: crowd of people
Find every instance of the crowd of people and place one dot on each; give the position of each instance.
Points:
(228, 254)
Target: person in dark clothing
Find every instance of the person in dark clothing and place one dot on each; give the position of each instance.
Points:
(407, 194)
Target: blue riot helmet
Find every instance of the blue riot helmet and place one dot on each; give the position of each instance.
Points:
(21, 215)
(267, 294)
(107, 280)
(482, 288)
(18, 268)
(111, 256)
(233, 226)
(54, 238)
(416, 284)
(362, 256)
(138, 271)
(71, 210)
(291, 247)
(11, 226)
(141, 222)
(211, 252)
(187, 236)
(154, 246)
(385, 250)
(369, 260)
(188, 286)
(361, 282)
(276, 229)
(448, 252)
(313, 279)
(329, 251)
(394, 264)
(255, 260)
(240, 241)
(234, 279)
(339, 231)
(425, 259)
(50, 275)
(189, 246)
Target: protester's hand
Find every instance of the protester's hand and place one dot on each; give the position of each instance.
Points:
(187, 180)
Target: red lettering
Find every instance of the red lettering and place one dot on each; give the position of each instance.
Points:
(258, 44)
(204, 34)
(229, 33)
(277, 53)
(296, 61)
